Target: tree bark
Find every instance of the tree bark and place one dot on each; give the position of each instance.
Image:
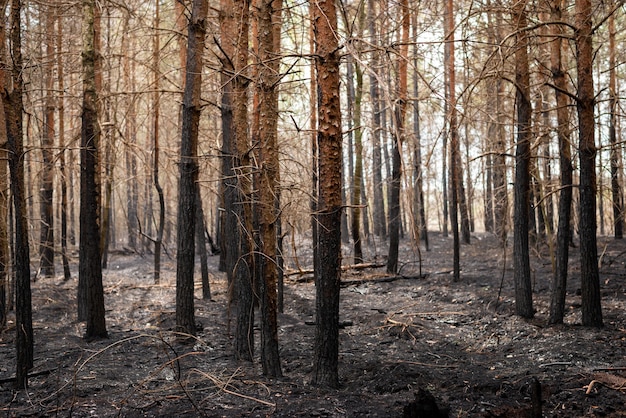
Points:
(62, 152)
(46, 238)
(12, 101)
(397, 140)
(418, 181)
(379, 217)
(617, 196)
(156, 101)
(185, 255)
(201, 246)
(326, 352)
(4, 172)
(268, 15)
(453, 135)
(559, 280)
(357, 173)
(130, 134)
(590, 277)
(521, 258)
(90, 267)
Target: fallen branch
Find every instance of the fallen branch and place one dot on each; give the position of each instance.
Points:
(223, 386)
(611, 381)
(359, 266)
(384, 279)
(39, 373)
(417, 363)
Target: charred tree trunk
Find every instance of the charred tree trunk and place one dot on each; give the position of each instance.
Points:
(185, 255)
(201, 246)
(13, 109)
(453, 134)
(46, 238)
(397, 140)
(521, 258)
(156, 101)
(617, 196)
(559, 280)
(328, 277)
(379, 217)
(90, 267)
(4, 172)
(62, 167)
(590, 276)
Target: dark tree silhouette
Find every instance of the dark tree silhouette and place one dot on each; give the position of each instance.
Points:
(12, 102)
(91, 291)
(559, 281)
(521, 258)
(185, 255)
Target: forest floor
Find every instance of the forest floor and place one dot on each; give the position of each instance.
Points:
(457, 341)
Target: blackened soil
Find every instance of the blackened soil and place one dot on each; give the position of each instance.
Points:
(422, 334)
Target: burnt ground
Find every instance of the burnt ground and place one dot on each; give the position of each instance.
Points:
(454, 340)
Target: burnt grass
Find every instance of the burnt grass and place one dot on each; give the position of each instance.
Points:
(420, 333)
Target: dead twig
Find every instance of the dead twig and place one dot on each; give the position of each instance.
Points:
(608, 380)
(223, 386)
(417, 363)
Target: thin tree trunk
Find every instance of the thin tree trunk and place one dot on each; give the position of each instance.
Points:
(357, 174)
(62, 167)
(521, 260)
(185, 255)
(454, 137)
(228, 186)
(379, 217)
(90, 267)
(156, 112)
(46, 239)
(244, 268)
(12, 102)
(496, 128)
(590, 277)
(201, 246)
(4, 185)
(130, 135)
(617, 196)
(313, 94)
(418, 181)
(559, 280)
(398, 139)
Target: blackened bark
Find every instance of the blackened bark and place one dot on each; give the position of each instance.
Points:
(326, 350)
(185, 256)
(398, 134)
(46, 238)
(379, 217)
(13, 109)
(521, 258)
(617, 195)
(590, 276)
(62, 167)
(201, 241)
(90, 267)
(453, 134)
(4, 172)
(559, 280)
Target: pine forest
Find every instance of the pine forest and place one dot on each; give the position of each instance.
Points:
(323, 208)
